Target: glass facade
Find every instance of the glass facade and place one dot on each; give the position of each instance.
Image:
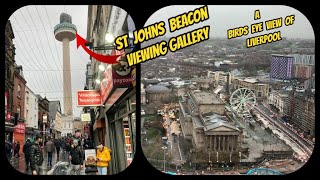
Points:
(121, 132)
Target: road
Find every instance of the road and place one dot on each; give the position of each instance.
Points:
(303, 144)
(174, 148)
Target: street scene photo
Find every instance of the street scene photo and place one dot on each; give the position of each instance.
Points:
(70, 96)
(226, 107)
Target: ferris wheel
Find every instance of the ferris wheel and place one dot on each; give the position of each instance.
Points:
(242, 100)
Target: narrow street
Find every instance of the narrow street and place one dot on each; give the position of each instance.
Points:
(173, 141)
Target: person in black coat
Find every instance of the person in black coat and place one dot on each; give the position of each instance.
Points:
(8, 147)
(17, 149)
(76, 157)
(36, 156)
(57, 144)
(26, 151)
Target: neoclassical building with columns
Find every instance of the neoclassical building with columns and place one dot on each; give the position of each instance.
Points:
(203, 121)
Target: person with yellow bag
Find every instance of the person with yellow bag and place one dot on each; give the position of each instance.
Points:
(103, 158)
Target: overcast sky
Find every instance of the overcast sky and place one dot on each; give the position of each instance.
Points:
(40, 53)
(223, 18)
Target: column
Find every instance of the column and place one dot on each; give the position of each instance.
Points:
(231, 142)
(214, 143)
(219, 143)
(228, 143)
(235, 142)
(67, 94)
(210, 139)
(224, 143)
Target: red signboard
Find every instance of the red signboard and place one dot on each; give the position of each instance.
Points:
(116, 76)
(88, 98)
(106, 84)
(20, 128)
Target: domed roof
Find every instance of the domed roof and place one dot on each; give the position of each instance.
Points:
(64, 17)
(157, 89)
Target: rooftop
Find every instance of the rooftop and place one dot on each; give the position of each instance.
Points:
(157, 89)
(251, 80)
(197, 122)
(206, 98)
(281, 55)
(283, 92)
(177, 83)
(213, 121)
(53, 108)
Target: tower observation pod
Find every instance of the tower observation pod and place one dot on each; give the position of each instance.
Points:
(66, 32)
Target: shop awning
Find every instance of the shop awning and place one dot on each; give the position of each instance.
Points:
(9, 128)
(100, 123)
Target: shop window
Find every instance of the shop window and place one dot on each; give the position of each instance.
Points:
(122, 109)
(133, 102)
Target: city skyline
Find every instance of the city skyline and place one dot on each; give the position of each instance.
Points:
(224, 17)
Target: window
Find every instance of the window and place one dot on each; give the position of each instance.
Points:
(133, 102)
(27, 99)
(19, 90)
(27, 114)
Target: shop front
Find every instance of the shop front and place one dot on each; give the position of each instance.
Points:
(30, 134)
(19, 135)
(9, 129)
(118, 95)
(121, 127)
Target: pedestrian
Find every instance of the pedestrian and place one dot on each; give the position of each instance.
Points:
(57, 144)
(26, 151)
(76, 158)
(68, 149)
(17, 149)
(49, 148)
(36, 155)
(103, 158)
(8, 148)
(63, 146)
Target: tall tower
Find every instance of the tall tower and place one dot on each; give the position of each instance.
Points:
(66, 32)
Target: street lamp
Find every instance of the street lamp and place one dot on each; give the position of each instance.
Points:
(164, 158)
(109, 38)
(101, 67)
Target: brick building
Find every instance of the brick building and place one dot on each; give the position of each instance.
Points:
(43, 113)
(18, 105)
(9, 82)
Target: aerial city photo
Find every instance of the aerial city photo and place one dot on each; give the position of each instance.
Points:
(219, 107)
(66, 111)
